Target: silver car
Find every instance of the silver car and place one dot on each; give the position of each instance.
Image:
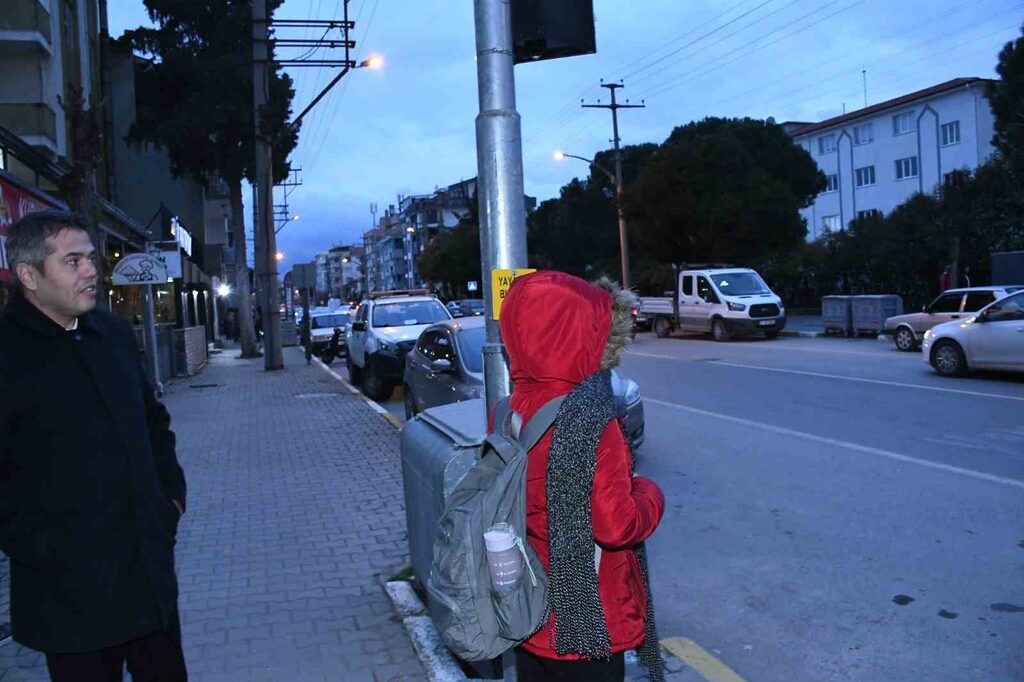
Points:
(992, 339)
(908, 330)
(446, 366)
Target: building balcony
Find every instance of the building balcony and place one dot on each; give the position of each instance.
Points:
(36, 124)
(24, 28)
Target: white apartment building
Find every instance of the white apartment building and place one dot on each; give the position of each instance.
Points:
(877, 157)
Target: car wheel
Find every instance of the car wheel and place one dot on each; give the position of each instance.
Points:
(948, 359)
(373, 386)
(662, 327)
(718, 330)
(354, 375)
(905, 340)
(772, 334)
(410, 402)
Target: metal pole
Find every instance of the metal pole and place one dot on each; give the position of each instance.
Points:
(266, 263)
(500, 191)
(149, 334)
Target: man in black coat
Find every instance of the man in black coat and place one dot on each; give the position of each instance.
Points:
(90, 487)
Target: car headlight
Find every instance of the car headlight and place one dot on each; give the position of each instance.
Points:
(737, 307)
(389, 347)
(927, 334)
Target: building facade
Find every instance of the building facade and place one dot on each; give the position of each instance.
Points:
(876, 158)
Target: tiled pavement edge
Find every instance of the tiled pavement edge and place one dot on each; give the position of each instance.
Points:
(295, 518)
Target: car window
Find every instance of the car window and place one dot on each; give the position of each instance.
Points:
(408, 313)
(705, 291)
(443, 348)
(976, 300)
(688, 285)
(330, 321)
(1010, 309)
(741, 283)
(361, 313)
(425, 344)
(471, 347)
(947, 303)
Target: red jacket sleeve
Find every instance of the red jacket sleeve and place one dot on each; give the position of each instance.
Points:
(625, 509)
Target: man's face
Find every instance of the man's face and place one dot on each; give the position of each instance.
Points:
(66, 286)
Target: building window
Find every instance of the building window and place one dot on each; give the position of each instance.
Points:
(830, 223)
(833, 183)
(863, 134)
(869, 213)
(865, 176)
(906, 168)
(903, 123)
(826, 144)
(950, 133)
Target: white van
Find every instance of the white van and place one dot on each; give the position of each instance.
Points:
(724, 302)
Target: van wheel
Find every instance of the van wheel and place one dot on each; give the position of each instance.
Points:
(354, 375)
(905, 340)
(718, 330)
(662, 327)
(374, 387)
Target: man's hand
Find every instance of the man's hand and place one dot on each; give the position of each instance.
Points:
(177, 505)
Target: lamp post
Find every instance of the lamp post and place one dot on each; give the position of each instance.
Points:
(616, 180)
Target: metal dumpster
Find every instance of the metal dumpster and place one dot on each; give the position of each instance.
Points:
(836, 314)
(438, 448)
(871, 312)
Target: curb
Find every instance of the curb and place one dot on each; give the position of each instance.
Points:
(793, 333)
(437, 661)
(376, 407)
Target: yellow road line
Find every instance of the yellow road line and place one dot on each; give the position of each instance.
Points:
(709, 667)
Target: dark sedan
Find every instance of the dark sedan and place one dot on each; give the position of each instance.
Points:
(446, 366)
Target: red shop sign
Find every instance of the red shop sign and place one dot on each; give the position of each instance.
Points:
(15, 202)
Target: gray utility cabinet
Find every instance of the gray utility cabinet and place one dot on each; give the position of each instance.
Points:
(871, 312)
(837, 314)
(439, 447)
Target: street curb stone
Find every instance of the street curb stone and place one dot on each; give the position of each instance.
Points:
(435, 657)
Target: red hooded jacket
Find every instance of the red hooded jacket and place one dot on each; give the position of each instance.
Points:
(556, 328)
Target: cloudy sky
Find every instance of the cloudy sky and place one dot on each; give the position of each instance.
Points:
(409, 127)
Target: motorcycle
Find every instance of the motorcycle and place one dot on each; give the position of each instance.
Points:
(333, 348)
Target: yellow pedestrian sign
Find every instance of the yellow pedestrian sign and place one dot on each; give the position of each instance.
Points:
(501, 280)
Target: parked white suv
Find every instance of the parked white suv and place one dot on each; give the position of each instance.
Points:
(384, 328)
(908, 330)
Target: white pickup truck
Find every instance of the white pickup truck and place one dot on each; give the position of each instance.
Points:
(723, 301)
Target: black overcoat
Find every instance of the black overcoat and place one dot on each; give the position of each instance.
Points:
(88, 473)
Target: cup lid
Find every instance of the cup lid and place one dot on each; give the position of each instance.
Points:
(499, 538)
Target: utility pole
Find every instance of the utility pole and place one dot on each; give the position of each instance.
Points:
(499, 150)
(265, 239)
(614, 107)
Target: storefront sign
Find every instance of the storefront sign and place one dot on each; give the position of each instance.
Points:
(15, 202)
(139, 268)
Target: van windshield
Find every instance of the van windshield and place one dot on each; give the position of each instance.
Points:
(740, 284)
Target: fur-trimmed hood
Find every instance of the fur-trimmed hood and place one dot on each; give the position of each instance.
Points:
(560, 328)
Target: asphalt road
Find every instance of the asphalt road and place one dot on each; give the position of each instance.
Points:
(836, 511)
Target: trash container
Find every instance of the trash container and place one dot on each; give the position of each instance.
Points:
(871, 312)
(438, 447)
(836, 314)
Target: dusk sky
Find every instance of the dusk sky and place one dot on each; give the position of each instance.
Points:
(409, 128)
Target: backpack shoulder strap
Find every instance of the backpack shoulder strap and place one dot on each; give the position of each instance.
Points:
(502, 413)
(539, 424)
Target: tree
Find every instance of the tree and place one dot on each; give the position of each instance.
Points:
(1006, 97)
(722, 190)
(196, 102)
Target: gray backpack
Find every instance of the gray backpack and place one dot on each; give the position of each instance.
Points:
(475, 621)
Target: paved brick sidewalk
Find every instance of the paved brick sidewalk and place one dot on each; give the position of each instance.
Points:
(295, 517)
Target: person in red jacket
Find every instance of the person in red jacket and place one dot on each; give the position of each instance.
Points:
(587, 512)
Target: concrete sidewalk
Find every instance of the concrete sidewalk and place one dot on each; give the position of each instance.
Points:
(295, 518)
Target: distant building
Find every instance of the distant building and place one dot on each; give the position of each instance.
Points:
(877, 157)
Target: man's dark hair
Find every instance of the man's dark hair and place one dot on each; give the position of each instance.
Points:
(26, 238)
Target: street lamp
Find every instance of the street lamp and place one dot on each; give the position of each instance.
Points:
(279, 256)
(374, 62)
(223, 291)
(617, 181)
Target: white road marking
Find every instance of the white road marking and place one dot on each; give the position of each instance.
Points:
(878, 452)
(899, 384)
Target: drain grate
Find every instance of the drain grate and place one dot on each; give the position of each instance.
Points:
(205, 385)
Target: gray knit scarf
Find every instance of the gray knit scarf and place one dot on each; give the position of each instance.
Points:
(573, 594)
